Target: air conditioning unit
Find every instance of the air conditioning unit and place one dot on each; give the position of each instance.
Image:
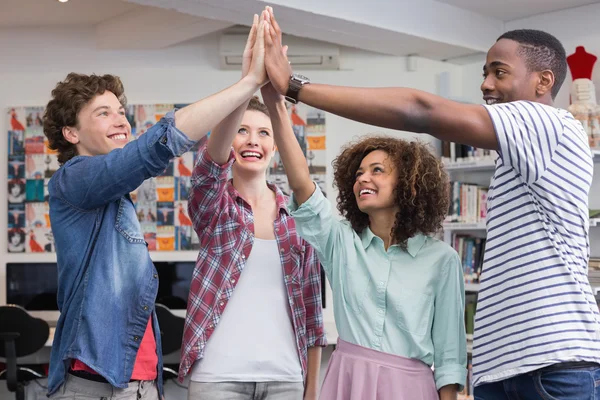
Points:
(302, 53)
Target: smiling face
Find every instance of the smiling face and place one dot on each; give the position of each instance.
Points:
(15, 189)
(375, 182)
(15, 239)
(506, 76)
(254, 145)
(102, 126)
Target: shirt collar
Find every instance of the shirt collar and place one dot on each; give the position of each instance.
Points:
(280, 198)
(414, 244)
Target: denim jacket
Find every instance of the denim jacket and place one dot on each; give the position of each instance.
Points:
(107, 283)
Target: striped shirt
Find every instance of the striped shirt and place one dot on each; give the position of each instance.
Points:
(535, 306)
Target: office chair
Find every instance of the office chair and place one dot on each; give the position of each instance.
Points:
(20, 336)
(171, 334)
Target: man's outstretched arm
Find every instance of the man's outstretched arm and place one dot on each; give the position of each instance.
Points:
(394, 108)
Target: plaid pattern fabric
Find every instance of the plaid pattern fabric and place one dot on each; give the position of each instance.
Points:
(225, 226)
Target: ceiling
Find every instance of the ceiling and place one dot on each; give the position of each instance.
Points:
(509, 10)
(451, 30)
(35, 13)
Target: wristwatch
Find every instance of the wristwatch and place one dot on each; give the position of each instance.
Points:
(296, 83)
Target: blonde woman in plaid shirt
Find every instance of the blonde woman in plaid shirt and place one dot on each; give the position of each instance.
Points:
(254, 326)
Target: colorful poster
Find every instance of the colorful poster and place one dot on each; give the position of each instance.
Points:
(308, 125)
(161, 202)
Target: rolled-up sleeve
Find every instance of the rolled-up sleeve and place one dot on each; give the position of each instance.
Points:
(448, 332)
(208, 188)
(177, 141)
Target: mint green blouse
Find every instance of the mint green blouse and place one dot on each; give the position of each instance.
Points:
(407, 303)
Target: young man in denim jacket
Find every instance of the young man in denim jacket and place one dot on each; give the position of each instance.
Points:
(107, 340)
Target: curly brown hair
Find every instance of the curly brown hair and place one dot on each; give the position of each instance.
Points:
(68, 98)
(421, 193)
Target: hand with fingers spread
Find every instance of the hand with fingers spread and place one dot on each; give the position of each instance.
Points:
(276, 61)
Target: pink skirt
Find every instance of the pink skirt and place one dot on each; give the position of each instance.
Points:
(360, 373)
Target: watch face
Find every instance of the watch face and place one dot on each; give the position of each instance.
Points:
(303, 79)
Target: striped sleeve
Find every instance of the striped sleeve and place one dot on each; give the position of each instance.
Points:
(528, 135)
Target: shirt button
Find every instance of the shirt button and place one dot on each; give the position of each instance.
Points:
(233, 281)
(281, 251)
(287, 278)
(243, 256)
(381, 283)
(136, 338)
(381, 311)
(145, 308)
(163, 140)
(155, 276)
(210, 326)
(221, 303)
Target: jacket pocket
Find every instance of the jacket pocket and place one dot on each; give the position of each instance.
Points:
(127, 223)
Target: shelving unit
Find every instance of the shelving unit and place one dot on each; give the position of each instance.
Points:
(480, 172)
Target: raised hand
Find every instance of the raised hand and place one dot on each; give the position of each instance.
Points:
(257, 64)
(269, 93)
(276, 61)
(247, 55)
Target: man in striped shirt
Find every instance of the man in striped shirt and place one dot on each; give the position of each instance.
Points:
(537, 326)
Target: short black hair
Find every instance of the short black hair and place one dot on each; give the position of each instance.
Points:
(542, 51)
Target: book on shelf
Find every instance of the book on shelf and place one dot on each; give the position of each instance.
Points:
(468, 203)
(594, 272)
(470, 250)
(455, 152)
(470, 307)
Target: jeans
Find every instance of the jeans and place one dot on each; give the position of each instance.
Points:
(79, 388)
(564, 381)
(246, 391)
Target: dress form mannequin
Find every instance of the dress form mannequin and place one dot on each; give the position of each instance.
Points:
(583, 93)
(581, 63)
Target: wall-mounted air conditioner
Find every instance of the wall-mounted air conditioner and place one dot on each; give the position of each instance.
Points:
(302, 53)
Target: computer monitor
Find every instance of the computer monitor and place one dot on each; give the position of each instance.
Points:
(34, 287)
(174, 285)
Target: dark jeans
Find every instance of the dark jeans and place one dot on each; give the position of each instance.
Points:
(565, 381)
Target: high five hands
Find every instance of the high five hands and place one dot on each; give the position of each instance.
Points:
(265, 57)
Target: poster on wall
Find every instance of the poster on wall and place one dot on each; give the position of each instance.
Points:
(309, 128)
(161, 202)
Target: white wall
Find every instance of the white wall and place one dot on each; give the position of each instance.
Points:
(573, 27)
(35, 59)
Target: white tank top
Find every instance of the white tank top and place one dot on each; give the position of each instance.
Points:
(254, 341)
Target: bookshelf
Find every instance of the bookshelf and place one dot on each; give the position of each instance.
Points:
(478, 170)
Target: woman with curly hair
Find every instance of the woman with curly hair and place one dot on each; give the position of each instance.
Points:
(398, 292)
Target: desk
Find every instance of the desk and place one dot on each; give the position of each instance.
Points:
(43, 356)
(330, 332)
